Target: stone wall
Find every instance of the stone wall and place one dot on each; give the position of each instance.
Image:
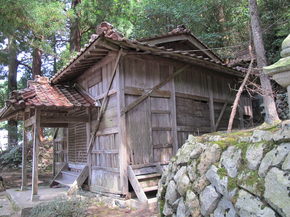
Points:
(245, 174)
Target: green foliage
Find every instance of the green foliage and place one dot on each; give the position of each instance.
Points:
(11, 157)
(274, 18)
(62, 206)
(232, 183)
(161, 204)
(222, 172)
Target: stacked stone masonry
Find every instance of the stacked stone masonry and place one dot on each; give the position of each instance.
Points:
(215, 176)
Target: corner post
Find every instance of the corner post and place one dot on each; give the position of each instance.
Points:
(36, 141)
(24, 157)
(123, 158)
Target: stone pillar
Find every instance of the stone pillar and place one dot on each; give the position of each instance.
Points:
(281, 69)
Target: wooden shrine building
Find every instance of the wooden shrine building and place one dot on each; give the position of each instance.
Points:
(122, 108)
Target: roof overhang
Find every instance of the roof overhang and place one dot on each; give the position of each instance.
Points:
(104, 47)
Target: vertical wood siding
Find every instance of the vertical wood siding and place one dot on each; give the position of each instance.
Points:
(105, 151)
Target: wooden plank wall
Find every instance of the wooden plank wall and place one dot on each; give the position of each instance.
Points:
(105, 171)
(192, 101)
(149, 124)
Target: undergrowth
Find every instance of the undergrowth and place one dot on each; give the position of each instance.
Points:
(62, 207)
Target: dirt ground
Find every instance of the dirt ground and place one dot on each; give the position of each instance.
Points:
(12, 179)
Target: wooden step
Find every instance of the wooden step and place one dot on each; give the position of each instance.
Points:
(148, 182)
(149, 176)
(151, 188)
(63, 182)
(70, 173)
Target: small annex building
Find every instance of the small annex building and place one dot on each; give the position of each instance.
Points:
(121, 109)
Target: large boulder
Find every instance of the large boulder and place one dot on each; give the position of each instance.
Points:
(171, 193)
(192, 204)
(274, 158)
(248, 205)
(277, 191)
(260, 135)
(210, 156)
(231, 160)
(209, 199)
(220, 184)
(225, 208)
(254, 156)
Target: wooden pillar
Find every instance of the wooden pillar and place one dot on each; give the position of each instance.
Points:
(123, 158)
(53, 151)
(24, 158)
(89, 158)
(36, 141)
(173, 113)
(211, 103)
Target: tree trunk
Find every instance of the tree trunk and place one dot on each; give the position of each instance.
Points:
(269, 103)
(36, 70)
(75, 29)
(12, 85)
(36, 63)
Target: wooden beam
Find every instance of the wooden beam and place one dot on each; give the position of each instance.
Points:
(136, 186)
(54, 125)
(64, 119)
(193, 129)
(29, 122)
(148, 93)
(105, 43)
(140, 91)
(36, 141)
(102, 110)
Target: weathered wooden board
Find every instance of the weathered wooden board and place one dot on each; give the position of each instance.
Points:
(105, 151)
(162, 154)
(105, 179)
(142, 74)
(194, 81)
(192, 113)
(138, 132)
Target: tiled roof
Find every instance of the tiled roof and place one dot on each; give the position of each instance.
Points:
(86, 57)
(40, 93)
(181, 29)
